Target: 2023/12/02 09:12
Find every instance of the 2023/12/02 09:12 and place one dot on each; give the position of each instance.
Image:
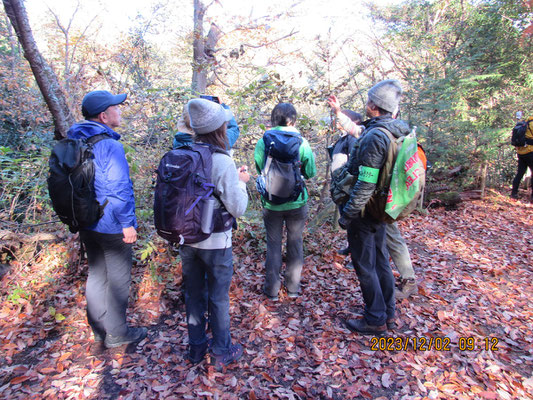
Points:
(431, 343)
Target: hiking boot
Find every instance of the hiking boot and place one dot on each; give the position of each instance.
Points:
(407, 288)
(293, 295)
(223, 360)
(514, 196)
(197, 352)
(273, 298)
(391, 323)
(98, 338)
(360, 326)
(344, 252)
(134, 335)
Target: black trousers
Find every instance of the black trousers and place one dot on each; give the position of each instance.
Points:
(368, 246)
(524, 161)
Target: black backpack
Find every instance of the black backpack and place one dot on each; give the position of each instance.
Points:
(184, 198)
(281, 179)
(71, 182)
(518, 136)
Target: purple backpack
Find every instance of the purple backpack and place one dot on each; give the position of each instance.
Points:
(184, 196)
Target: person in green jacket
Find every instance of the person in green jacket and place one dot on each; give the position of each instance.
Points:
(291, 213)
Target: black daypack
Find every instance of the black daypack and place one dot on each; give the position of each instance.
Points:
(518, 136)
(71, 182)
(184, 198)
(281, 179)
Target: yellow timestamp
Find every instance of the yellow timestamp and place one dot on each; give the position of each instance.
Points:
(433, 343)
(471, 343)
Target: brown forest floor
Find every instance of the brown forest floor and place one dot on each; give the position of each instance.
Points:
(475, 270)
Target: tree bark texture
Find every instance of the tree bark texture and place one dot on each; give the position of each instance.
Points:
(483, 182)
(43, 73)
(204, 49)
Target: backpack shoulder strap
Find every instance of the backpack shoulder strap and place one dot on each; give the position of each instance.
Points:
(387, 132)
(213, 149)
(386, 170)
(529, 127)
(97, 138)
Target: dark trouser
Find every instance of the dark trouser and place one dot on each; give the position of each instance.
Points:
(294, 222)
(108, 284)
(524, 161)
(217, 266)
(371, 261)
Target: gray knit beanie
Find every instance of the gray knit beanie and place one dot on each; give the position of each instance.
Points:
(386, 94)
(206, 116)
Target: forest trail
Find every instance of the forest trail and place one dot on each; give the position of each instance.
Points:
(466, 334)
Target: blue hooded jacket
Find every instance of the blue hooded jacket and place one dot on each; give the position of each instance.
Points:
(112, 178)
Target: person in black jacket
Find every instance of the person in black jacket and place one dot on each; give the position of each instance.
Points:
(366, 236)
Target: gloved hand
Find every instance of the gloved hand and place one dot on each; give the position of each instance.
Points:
(344, 222)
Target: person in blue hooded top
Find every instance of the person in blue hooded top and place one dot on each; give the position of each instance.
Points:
(108, 242)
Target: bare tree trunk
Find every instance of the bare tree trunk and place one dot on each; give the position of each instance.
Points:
(204, 49)
(43, 73)
(484, 167)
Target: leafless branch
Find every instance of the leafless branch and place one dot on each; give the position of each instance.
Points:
(272, 42)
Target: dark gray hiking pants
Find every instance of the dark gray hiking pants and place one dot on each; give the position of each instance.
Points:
(108, 284)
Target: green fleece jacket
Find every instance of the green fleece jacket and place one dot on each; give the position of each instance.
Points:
(308, 170)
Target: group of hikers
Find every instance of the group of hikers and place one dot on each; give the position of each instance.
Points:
(207, 262)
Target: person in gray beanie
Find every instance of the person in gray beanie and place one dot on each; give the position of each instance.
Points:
(386, 95)
(367, 236)
(207, 266)
(208, 114)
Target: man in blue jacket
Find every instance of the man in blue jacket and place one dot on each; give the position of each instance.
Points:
(109, 241)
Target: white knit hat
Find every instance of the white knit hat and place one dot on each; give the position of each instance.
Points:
(207, 116)
(386, 94)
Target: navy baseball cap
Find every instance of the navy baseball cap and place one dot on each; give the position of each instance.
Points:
(98, 101)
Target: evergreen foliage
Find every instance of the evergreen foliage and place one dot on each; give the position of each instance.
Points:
(468, 72)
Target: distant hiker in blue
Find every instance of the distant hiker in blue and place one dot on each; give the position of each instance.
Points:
(109, 241)
(283, 149)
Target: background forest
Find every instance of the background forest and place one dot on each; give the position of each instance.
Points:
(464, 65)
(466, 69)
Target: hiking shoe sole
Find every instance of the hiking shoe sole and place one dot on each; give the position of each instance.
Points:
(360, 326)
(223, 360)
(134, 335)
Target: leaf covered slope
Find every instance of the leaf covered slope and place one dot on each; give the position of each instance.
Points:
(474, 265)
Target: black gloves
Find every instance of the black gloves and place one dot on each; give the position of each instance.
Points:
(343, 222)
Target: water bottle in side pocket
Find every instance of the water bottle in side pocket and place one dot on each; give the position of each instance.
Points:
(207, 215)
